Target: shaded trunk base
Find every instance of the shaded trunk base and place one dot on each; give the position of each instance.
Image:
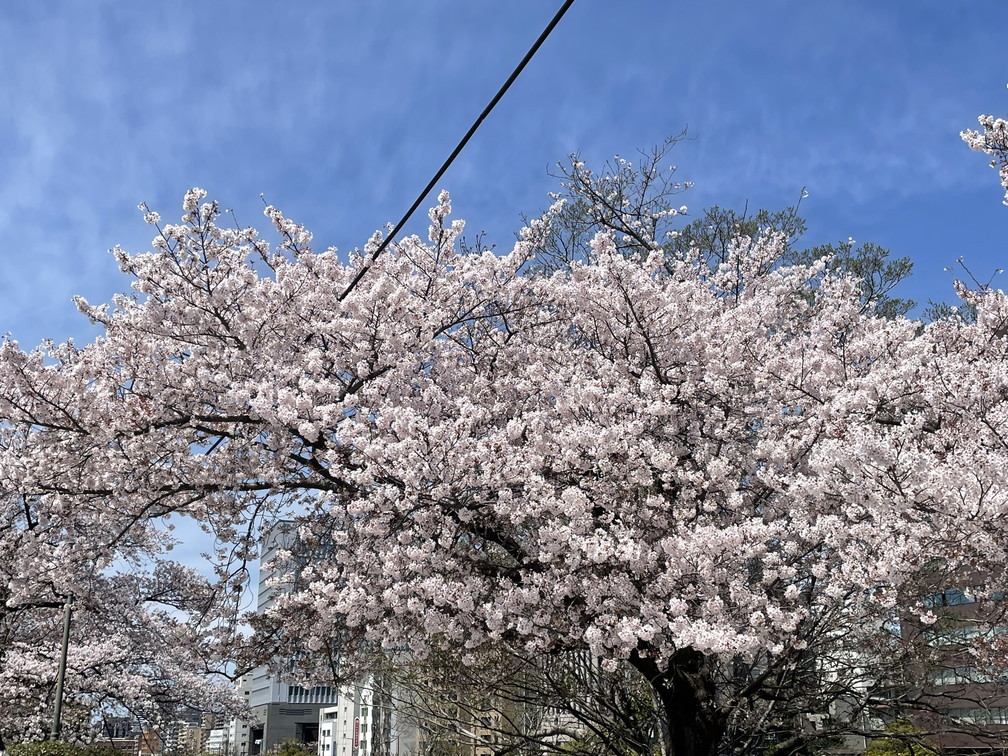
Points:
(691, 721)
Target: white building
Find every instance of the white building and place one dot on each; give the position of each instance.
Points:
(365, 722)
(239, 739)
(216, 742)
(346, 728)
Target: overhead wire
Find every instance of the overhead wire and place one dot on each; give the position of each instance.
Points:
(458, 148)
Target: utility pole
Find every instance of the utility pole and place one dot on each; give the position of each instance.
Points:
(57, 725)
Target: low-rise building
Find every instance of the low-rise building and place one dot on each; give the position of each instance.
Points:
(216, 743)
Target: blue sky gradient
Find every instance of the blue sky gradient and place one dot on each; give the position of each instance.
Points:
(339, 112)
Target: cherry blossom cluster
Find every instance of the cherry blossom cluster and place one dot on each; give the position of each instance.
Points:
(993, 140)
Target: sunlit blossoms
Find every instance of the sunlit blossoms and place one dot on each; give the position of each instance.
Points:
(992, 141)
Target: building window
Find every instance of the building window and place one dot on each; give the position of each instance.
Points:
(949, 597)
(980, 715)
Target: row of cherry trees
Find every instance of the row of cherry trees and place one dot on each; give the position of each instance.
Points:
(142, 628)
(724, 468)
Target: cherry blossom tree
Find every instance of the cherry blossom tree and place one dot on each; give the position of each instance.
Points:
(729, 474)
(141, 632)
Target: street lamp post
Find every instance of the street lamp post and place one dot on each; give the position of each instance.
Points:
(57, 725)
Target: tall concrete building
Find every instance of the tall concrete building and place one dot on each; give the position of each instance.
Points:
(280, 711)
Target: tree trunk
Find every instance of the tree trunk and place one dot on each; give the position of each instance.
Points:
(692, 723)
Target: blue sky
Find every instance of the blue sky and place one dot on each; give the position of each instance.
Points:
(339, 112)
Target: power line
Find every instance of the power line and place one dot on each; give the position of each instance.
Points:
(458, 148)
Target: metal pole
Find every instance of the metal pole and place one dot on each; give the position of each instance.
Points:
(57, 725)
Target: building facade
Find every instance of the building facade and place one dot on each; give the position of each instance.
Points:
(280, 711)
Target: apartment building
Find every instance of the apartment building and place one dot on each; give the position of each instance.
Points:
(969, 695)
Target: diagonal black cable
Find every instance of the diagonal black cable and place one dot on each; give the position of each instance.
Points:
(458, 148)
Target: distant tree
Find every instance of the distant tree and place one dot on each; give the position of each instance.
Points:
(900, 738)
(563, 704)
(636, 203)
(293, 748)
(142, 635)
